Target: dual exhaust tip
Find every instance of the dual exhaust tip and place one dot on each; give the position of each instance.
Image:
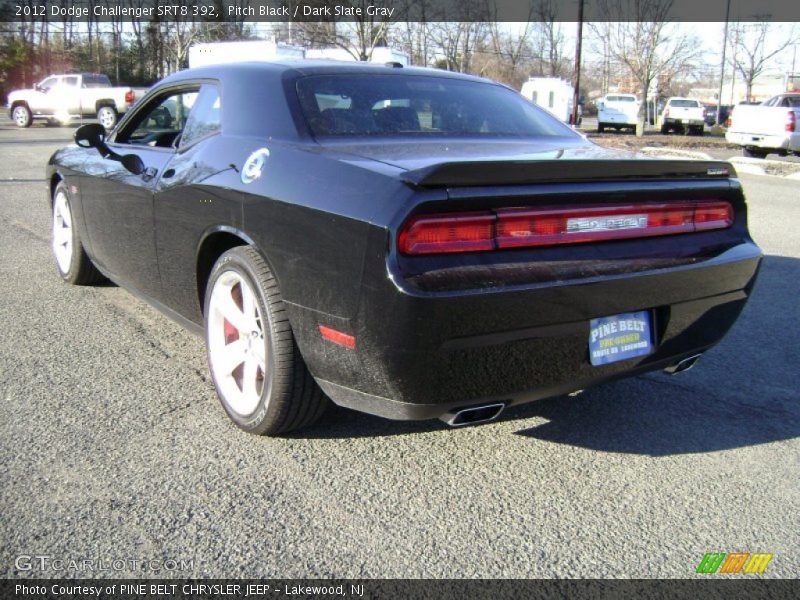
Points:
(489, 412)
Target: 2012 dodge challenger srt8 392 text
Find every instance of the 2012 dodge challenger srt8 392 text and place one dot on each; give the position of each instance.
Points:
(406, 242)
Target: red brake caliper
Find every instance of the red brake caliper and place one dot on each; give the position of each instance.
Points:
(231, 333)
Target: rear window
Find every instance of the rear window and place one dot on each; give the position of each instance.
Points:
(393, 105)
(684, 103)
(96, 81)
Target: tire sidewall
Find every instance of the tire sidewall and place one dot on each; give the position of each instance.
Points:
(260, 419)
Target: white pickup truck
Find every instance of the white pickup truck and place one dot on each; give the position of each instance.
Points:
(618, 111)
(685, 115)
(767, 127)
(64, 97)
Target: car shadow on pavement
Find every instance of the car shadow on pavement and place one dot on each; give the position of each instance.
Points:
(741, 393)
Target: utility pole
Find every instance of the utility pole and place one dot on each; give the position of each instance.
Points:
(577, 94)
(722, 66)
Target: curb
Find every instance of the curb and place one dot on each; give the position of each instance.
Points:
(673, 152)
(760, 166)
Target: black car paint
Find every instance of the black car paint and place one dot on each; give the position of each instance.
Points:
(433, 332)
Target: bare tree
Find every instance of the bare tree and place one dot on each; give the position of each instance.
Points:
(753, 47)
(647, 45)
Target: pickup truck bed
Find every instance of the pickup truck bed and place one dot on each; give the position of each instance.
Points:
(768, 127)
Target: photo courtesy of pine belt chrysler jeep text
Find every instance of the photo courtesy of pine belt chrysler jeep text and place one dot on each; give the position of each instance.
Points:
(407, 242)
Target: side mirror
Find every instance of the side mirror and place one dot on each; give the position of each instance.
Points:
(93, 135)
(133, 163)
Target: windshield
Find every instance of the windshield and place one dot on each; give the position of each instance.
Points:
(620, 98)
(381, 105)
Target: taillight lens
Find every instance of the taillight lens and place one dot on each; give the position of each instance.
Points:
(791, 121)
(467, 232)
(666, 113)
(531, 227)
(130, 96)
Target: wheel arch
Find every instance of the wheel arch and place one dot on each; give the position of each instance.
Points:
(214, 244)
(55, 179)
(17, 103)
(109, 102)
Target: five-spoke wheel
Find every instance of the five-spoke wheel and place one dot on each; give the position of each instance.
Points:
(259, 374)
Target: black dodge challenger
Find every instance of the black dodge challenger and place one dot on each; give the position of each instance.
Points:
(406, 242)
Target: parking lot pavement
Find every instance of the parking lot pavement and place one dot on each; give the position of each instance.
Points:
(113, 444)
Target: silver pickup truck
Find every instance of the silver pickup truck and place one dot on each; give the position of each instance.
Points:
(767, 127)
(60, 98)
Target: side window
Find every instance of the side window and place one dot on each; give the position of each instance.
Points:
(205, 116)
(48, 83)
(161, 123)
(71, 81)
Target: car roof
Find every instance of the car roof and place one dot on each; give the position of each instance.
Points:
(312, 67)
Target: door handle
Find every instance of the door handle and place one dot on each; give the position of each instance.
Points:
(149, 173)
(168, 173)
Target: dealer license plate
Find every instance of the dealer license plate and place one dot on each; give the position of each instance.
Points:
(619, 337)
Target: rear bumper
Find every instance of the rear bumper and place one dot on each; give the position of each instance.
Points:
(685, 122)
(758, 140)
(420, 354)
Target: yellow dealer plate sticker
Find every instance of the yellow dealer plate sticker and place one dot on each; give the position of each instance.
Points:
(619, 337)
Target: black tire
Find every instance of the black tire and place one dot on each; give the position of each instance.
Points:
(753, 152)
(80, 270)
(601, 127)
(21, 115)
(289, 398)
(107, 117)
(664, 130)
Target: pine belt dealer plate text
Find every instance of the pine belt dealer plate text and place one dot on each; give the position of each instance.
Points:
(619, 337)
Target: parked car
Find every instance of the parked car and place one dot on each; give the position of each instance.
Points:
(767, 127)
(407, 242)
(710, 113)
(64, 97)
(684, 115)
(619, 111)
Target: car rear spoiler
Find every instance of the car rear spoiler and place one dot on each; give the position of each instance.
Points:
(480, 173)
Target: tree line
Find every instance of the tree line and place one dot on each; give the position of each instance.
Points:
(634, 43)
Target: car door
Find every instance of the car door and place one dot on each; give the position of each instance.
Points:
(39, 101)
(118, 204)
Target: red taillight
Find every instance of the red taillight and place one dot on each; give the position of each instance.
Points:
(530, 227)
(130, 96)
(468, 232)
(521, 227)
(712, 215)
(666, 113)
(791, 121)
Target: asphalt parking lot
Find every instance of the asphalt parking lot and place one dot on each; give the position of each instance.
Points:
(113, 445)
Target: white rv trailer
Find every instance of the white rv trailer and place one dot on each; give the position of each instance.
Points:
(214, 53)
(553, 94)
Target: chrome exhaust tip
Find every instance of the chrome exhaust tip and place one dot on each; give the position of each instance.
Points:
(683, 365)
(473, 415)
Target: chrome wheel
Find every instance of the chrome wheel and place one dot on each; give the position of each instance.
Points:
(22, 116)
(107, 117)
(236, 347)
(62, 232)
